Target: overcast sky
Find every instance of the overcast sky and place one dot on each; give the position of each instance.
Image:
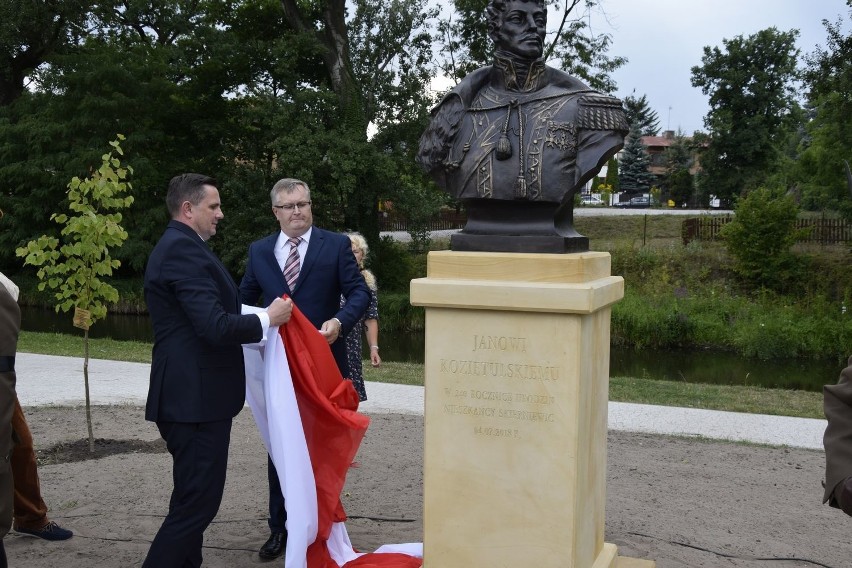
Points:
(664, 39)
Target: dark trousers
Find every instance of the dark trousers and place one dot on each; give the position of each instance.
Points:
(7, 408)
(277, 511)
(30, 509)
(200, 460)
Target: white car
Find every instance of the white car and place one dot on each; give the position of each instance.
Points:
(591, 200)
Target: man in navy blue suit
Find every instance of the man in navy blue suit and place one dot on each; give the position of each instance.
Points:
(326, 271)
(197, 372)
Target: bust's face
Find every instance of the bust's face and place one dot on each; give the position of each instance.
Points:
(522, 30)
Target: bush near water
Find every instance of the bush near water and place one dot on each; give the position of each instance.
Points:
(696, 296)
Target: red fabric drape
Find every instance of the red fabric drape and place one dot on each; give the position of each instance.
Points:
(333, 428)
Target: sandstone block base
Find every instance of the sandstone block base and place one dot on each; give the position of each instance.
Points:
(515, 423)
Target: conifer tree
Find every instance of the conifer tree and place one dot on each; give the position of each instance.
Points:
(639, 112)
(633, 174)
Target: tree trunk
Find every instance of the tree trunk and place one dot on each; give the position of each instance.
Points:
(360, 210)
(86, 382)
(336, 57)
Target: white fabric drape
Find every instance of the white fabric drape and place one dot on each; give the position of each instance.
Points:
(272, 399)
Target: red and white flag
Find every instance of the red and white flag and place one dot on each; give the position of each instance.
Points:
(307, 415)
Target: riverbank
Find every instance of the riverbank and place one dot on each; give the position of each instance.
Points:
(676, 297)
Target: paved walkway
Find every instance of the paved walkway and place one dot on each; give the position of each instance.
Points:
(48, 379)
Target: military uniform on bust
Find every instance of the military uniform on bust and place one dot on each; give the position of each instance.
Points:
(524, 144)
(516, 140)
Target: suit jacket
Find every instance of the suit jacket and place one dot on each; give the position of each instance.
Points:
(10, 326)
(197, 372)
(328, 271)
(837, 403)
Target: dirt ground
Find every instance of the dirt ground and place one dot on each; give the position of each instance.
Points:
(681, 502)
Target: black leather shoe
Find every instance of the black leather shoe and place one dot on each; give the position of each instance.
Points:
(274, 546)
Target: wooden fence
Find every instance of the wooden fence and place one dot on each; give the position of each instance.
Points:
(818, 230)
(445, 219)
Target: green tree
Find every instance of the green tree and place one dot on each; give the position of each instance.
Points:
(611, 179)
(160, 93)
(680, 186)
(247, 90)
(753, 108)
(580, 51)
(760, 238)
(75, 269)
(639, 111)
(819, 168)
(30, 33)
(633, 174)
(679, 157)
(377, 65)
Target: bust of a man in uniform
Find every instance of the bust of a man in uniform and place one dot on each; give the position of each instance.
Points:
(517, 139)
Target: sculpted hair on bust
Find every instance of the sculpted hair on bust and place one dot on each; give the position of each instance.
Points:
(494, 13)
(187, 187)
(288, 185)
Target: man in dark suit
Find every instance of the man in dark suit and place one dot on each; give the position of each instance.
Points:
(322, 268)
(10, 327)
(197, 373)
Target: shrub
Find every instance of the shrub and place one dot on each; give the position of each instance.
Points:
(392, 264)
(637, 322)
(396, 313)
(760, 238)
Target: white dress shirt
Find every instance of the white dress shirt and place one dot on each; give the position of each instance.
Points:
(283, 246)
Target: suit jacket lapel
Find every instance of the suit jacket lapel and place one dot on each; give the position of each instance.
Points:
(267, 262)
(313, 253)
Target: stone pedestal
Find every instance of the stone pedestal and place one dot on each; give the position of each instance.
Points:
(515, 423)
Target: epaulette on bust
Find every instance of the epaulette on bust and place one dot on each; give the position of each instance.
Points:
(600, 112)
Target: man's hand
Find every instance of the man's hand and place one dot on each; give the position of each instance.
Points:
(331, 330)
(279, 311)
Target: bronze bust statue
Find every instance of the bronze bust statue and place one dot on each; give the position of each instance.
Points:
(517, 139)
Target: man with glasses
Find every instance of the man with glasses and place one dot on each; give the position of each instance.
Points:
(315, 268)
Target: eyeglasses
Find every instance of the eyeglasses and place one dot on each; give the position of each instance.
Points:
(291, 206)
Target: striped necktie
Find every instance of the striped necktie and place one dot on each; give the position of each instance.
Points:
(291, 267)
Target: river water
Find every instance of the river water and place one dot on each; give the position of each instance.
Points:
(680, 365)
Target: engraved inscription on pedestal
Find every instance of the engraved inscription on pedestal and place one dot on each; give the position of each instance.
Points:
(499, 390)
(515, 394)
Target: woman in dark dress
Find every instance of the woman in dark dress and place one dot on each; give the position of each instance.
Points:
(368, 323)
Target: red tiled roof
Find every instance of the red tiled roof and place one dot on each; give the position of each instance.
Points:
(657, 141)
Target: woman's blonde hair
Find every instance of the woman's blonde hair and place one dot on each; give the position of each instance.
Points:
(360, 243)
